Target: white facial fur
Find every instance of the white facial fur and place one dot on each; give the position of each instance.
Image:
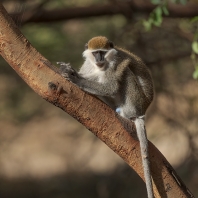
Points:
(109, 56)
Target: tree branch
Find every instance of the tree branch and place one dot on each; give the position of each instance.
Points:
(127, 8)
(45, 80)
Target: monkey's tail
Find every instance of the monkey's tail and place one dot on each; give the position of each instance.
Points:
(141, 133)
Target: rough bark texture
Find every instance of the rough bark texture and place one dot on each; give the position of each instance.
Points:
(45, 80)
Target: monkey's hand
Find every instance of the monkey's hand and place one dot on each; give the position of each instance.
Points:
(68, 72)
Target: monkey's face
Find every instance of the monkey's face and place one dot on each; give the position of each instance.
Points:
(99, 51)
(100, 58)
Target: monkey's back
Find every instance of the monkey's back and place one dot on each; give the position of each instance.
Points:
(139, 83)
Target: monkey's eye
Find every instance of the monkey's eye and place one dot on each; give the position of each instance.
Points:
(99, 55)
(94, 53)
(103, 53)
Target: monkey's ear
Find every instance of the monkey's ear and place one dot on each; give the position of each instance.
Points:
(86, 46)
(111, 44)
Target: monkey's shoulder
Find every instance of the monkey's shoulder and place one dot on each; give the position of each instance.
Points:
(134, 62)
(125, 52)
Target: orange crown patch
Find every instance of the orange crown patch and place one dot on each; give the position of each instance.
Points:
(99, 42)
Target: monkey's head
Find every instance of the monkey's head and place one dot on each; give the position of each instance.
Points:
(100, 51)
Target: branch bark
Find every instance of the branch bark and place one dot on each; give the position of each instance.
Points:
(127, 8)
(45, 80)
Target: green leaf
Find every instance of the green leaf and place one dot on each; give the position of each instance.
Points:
(195, 74)
(195, 47)
(158, 10)
(157, 22)
(157, 16)
(147, 24)
(165, 10)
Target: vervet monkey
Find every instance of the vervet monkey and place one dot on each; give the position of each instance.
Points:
(122, 81)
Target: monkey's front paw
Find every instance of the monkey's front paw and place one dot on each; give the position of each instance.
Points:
(67, 71)
(64, 67)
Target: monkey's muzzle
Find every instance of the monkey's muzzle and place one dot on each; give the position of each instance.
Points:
(100, 63)
(99, 57)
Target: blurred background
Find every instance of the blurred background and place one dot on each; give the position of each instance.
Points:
(46, 153)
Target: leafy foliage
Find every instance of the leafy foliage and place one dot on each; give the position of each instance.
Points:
(156, 16)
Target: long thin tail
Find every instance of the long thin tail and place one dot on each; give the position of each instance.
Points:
(141, 132)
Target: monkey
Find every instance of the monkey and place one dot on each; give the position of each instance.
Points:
(121, 80)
